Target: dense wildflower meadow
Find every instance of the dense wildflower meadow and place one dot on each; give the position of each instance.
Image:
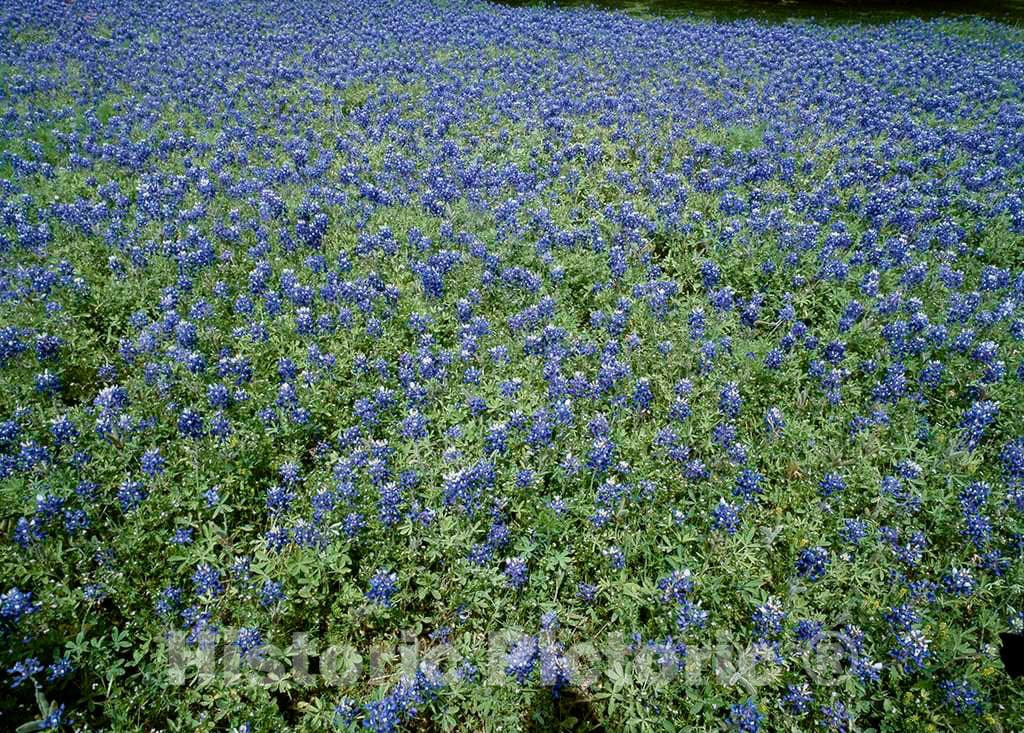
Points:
(450, 366)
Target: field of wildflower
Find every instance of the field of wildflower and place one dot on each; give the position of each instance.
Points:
(455, 367)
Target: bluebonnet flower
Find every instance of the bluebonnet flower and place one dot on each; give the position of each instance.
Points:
(152, 462)
(773, 359)
(250, 643)
(516, 572)
(676, 586)
(270, 593)
(863, 668)
(9, 431)
(28, 531)
(389, 503)
(383, 586)
(854, 531)
(59, 670)
(402, 701)
(723, 434)
(191, 424)
(931, 374)
(812, 563)
(94, 592)
(615, 556)
(902, 617)
(279, 499)
(911, 650)
(978, 529)
(798, 698)
(959, 582)
(130, 495)
(307, 535)
(975, 421)
(995, 563)
(47, 382)
(893, 487)
(726, 517)
(75, 521)
(522, 658)
(748, 484)
(86, 490)
(170, 599)
(745, 717)
(961, 697)
(24, 670)
(710, 273)
(48, 506)
(909, 552)
(835, 718)
(63, 431)
(831, 484)
(670, 655)
(774, 421)
(206, 581)
(808, 631)
(909, 470)
(729, 400)
(738, 454)
(768, 618)
(278, 539)
(48, 347)
(14, 604)
(642, 394)
(524, 478)
(555, 671)
(353, 524)
(1012, 459)
(218, 396)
